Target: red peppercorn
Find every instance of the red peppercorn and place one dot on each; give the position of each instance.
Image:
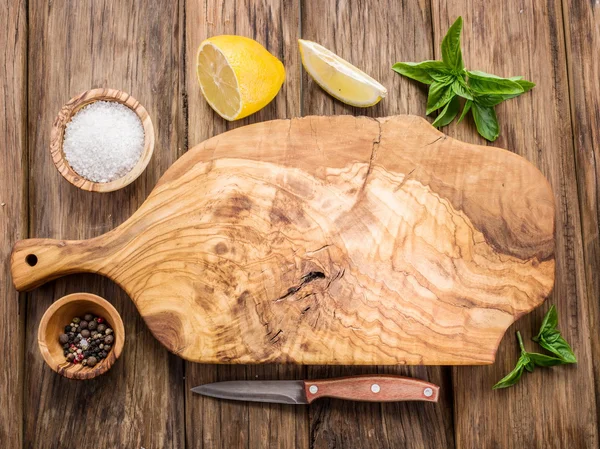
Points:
(75, 360)
(100, 320)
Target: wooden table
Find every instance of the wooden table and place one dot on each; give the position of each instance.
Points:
(52, 50)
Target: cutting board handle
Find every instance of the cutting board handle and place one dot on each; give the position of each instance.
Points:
(36, 261)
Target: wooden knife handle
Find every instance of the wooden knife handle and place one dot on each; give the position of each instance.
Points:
(374, 388)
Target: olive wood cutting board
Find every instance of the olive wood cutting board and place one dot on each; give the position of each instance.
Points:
(327, 240)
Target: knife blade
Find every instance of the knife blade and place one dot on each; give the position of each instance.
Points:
(373, 388)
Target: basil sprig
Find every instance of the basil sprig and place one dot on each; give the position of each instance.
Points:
(449, 80)
(550, 339)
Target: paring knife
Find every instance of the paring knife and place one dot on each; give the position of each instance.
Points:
(374, 388)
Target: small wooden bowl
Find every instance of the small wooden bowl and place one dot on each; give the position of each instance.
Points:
(59, 314)
(58, 133)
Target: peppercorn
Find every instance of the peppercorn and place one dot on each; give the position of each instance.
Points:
(83, 324)
(85, 333)
(70, 357)
(101, 346)
(73, 329)
(63, 338)
(92, 325)
(103, 354)
(76, 320)
(84, 362)
(101, 327)
(100, 320)
(66, 346)
(67, 329)
(91, 361)
(109, 339)
(66, 352)
(108, 331)
(107, 348)
(88, 317)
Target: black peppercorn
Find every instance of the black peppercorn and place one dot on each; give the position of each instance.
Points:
(66, 352)
(109, 339)
(71, 335)
(88, 317)
(92, 325)
(83, 324)
(63, 338)
(67, 329)
(85, 333)
(101, 327)
(66, 346)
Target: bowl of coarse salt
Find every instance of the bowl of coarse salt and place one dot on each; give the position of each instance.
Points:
(102, 140)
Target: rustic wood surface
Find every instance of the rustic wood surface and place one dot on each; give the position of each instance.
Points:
(54, 50)
(327, 240)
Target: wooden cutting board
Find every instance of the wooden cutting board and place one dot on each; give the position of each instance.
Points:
(327, 240)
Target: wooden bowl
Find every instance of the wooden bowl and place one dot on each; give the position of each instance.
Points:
(58, 133)
(59, 314)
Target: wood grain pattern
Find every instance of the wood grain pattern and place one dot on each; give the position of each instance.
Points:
(53, 322)
(582, 29)
(327, 240)
(133, 46)
(139, 47)
(373, 35)
(65, 115)
(13, 214)
(536, 126)
(212, 423)
(372, 388)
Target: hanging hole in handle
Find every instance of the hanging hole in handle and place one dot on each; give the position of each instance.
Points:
(31, 260)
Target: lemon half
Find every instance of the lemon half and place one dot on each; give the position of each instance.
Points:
(237, 75)
(338, 77)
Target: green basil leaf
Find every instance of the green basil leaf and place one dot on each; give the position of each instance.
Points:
(511, 378)
(448, 113)
(439, 95)
(484, 83)
(466, 108)
(442, 77)
(419, 71)
(561, 348)
(451, 53)
(549, 322)
(526, 85)
(544, 360)
(460, 88)
(491, 100)
(486, 121)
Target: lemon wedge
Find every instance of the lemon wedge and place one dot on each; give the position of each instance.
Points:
(338, 77)
(237, 75)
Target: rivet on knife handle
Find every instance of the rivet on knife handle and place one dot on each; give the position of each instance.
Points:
(375, 388)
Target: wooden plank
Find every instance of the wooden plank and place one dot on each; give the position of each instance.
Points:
(373, 35)
(582, 29)
(213, 423)
(13, 213)
(134, 46)
(554, 406)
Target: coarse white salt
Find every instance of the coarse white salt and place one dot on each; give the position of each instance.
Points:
(103, 141)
